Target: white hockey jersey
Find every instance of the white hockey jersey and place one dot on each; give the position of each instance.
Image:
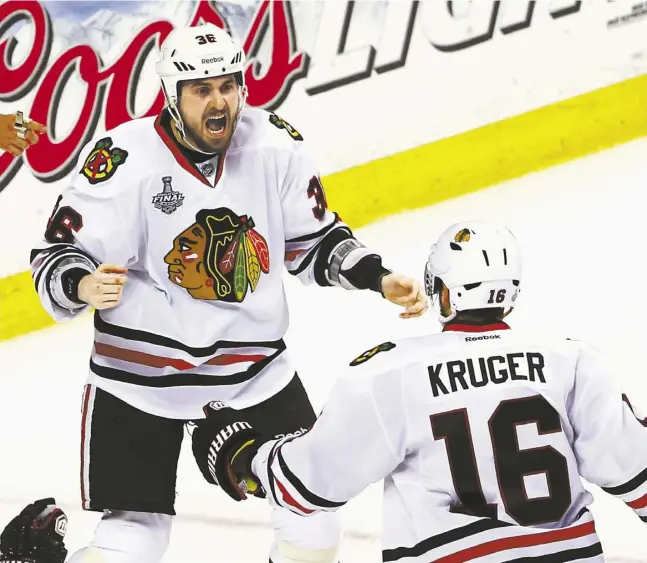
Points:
(481, 438)
(203, 313)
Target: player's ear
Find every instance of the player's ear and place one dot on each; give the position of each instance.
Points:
(445, 306)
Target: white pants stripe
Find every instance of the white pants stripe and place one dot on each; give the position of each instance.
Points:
(87, 408)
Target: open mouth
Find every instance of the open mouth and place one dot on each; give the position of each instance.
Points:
(216, 126)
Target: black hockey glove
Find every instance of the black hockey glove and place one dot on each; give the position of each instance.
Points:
(223, 446)
(36, 535)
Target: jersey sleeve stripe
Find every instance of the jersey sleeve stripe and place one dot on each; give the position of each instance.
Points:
(42, 253)
(319, 234)
(278, 480)
(289, 499)
(270, 472)
(47, 264)
(308, 495)
(340, 232)
(306, 261)
(636, 482)
(638, 503)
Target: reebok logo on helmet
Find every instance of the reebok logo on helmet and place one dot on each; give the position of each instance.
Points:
(212, 60)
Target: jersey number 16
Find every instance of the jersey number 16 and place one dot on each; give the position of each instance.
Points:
(512, 463)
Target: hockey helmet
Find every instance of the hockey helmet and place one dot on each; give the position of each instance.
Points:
(203, 51)
(479, 263)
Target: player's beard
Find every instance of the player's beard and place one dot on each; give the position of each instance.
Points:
(197, 133)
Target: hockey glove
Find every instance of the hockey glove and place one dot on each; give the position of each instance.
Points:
(223, 446)
(36, 535)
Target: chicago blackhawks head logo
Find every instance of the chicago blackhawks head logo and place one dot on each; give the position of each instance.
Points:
(219, 257)
(103, 161)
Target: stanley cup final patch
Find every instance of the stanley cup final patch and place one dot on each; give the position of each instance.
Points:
(168, 200)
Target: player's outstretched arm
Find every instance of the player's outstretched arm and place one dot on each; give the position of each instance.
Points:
(610, 436)
(353, 443)
(321, 248)
(358, 440)
(91, 235)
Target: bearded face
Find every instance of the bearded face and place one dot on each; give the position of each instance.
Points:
(208, 108)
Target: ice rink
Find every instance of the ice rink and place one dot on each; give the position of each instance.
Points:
(583, 229)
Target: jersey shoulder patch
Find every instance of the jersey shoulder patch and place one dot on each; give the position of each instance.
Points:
(280, 123)
(362, 358)
(103, 161)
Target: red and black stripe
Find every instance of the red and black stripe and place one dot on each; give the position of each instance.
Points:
(137, 335)
(462, 326)
(439, 540)
(501, 544)
(333, 235)
(318, 234)
(629, 486)
(576, 554)
(312, 498)
(182, 379)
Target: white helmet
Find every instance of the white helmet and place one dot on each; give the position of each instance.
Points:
(201, 51)
(479, 263)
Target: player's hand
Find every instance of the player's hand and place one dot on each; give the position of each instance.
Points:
(102, 289)
(36, 534)
(407, 292)
(9, 140)
(223, 446)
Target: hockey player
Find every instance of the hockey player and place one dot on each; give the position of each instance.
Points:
(176, 230)
(480, 433)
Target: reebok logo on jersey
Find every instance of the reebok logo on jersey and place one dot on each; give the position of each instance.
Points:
(484, 337)
(299, 432)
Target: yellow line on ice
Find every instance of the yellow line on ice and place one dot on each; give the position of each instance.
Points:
(438, 171)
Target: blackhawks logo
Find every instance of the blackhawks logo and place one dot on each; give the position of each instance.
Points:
(384, 347)
(463, 236)
(219, 257)
(102, 163)
(282, 124)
